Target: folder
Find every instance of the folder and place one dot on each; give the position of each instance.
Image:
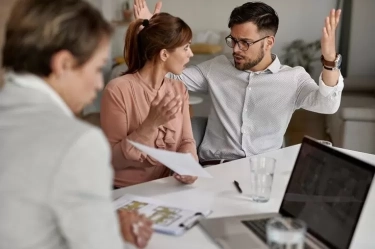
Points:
(167, 218)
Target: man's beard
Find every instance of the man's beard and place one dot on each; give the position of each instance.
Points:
(249, 63)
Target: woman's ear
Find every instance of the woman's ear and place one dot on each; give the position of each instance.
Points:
(164, 54)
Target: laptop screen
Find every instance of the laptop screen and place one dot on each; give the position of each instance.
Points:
(327, 190)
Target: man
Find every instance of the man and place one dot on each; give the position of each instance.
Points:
(55, 171)
(253, 95)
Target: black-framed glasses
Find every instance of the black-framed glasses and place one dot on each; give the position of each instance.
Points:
(242, 44)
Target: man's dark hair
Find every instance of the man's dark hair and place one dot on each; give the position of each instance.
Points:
(261, 14)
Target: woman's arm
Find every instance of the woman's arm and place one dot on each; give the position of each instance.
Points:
(114, 122)
(115, 125)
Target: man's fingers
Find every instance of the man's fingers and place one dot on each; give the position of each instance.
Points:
(136, 11)
(158, 7)
(332, 18)
(325, 33)
(137, 2)
(337, 17)
(328, 26)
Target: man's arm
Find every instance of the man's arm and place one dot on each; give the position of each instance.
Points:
(328, 44)
(326, 97)
(194, 77)
(141, 11)
(81, 195)
(317, 98)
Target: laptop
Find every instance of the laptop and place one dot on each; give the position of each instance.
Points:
(327, 190)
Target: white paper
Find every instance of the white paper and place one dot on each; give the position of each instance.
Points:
(181, 163)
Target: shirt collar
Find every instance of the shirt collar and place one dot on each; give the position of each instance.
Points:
(34, 82)
(275, 65)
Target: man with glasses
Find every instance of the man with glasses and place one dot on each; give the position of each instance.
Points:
(253, 95)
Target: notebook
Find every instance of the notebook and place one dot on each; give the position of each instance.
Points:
(167, 218)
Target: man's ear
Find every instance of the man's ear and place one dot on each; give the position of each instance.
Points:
(164, 54)
(270, 41)
(61, 62)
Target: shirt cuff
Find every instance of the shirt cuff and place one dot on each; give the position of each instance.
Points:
(329, 90)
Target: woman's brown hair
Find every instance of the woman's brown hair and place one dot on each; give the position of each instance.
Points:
(37, 29)
(162, 31)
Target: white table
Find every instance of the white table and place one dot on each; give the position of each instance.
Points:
(220, 195)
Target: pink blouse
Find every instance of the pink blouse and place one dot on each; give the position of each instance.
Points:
(125, 105)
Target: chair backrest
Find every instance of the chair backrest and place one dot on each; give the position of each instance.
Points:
(117, 71)
(92, 118)
(198, 125)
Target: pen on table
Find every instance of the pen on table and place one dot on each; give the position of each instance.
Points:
(237, 187)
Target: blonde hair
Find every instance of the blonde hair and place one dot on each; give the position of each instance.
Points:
(37, 29)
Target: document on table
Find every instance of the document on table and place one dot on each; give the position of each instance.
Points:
(166, 217)
(181, 163)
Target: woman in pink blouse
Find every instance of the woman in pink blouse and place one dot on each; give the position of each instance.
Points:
(146, 107)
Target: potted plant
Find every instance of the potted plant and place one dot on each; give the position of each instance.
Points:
(127, 12)
(301, 53)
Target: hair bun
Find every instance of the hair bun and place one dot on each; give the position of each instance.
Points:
(145, 22)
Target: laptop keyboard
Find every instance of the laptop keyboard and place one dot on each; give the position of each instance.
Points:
(258, 227)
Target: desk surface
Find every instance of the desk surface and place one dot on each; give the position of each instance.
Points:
(220, 195)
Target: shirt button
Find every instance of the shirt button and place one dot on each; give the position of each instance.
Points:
(246, 110)
(249, 88)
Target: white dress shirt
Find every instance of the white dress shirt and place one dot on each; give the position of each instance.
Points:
(55, 173)
(251, 110)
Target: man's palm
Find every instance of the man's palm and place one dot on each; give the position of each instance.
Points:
(141, 10)
(329, 35)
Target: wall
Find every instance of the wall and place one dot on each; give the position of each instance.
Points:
(298, 18)
(362, 39)
(295, 20)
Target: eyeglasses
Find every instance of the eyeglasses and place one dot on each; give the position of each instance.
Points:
(242, 44)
